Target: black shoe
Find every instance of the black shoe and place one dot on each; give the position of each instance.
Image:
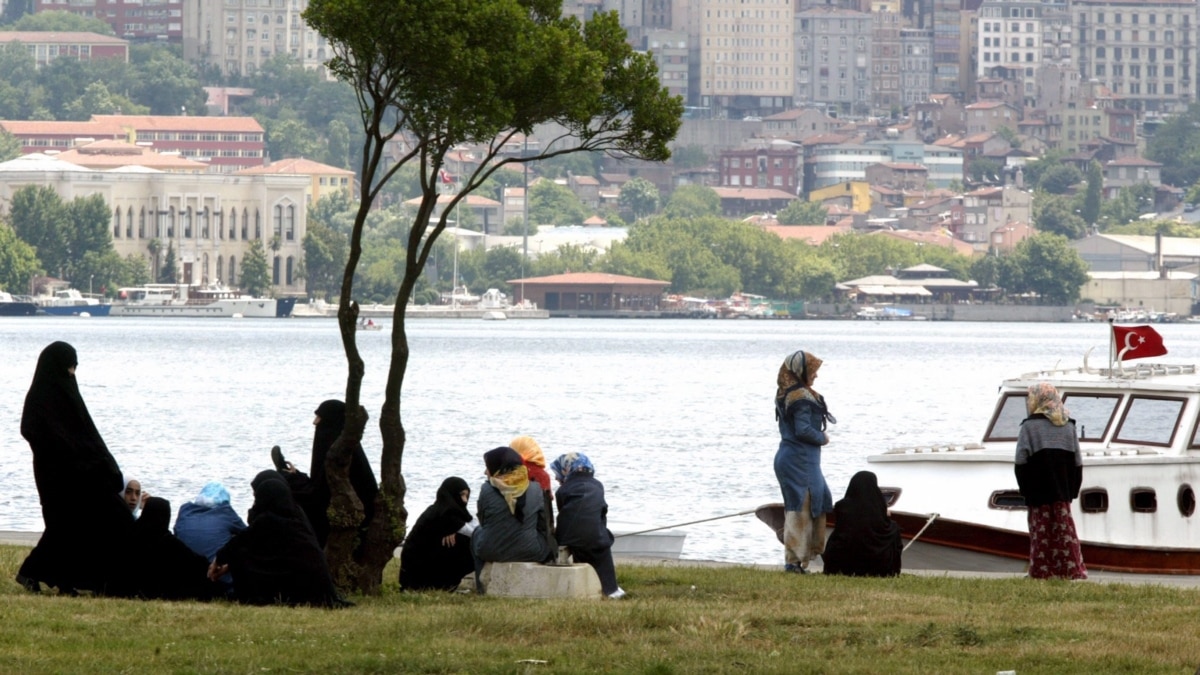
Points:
(29, 584)
(277, 458)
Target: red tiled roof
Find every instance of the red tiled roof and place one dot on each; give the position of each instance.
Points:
(47, 128)
(813, 234)
(751, 193)
(53, 37)
(591, 279)
(296, 165)
(182, 123)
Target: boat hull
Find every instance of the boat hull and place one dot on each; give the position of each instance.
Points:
(17, 309)
(77, 310)
(249, 308)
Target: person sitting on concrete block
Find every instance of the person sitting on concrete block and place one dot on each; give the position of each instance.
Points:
(583, 518)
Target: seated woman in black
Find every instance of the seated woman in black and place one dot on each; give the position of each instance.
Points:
(164, 567)
(865, 540)
(583, 518)
(437, 550)
(276, 559)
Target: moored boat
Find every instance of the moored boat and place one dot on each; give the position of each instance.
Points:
(1139, 429)
(70, 302)
(16, 305)
(191, 301)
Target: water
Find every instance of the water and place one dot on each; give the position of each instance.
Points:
(677, 415)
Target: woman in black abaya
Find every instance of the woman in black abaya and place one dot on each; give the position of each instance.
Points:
(311, 490)
(865, 540)
(163, 566)
(87, 525)
(437, 550)
(276, 559)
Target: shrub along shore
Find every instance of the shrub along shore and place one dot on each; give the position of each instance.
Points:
(676, 619)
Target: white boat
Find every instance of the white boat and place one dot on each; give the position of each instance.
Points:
(16, 305)
(191, 301)
(70, 302)
(644, 541)
(1139, 430)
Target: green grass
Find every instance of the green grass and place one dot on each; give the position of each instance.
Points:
(675, 620)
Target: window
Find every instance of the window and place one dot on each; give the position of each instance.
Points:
(289, 226)
(1093, 414)
(1093, 500)
(1143, 500)
(1186, 500)
(1150, 420)
(1100, 53)
(117, 223)
(1008, 417)
(232, 270)
(1008, 500)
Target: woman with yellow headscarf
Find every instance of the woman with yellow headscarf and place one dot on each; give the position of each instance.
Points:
(802, 417)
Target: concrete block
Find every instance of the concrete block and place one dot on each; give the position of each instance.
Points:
(531, 580)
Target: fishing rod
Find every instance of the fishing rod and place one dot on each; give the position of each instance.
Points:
(694, 522)
(932, 517)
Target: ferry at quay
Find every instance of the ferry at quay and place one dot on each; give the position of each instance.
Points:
(193, 301)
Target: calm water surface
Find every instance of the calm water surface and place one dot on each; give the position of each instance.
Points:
(677, 415)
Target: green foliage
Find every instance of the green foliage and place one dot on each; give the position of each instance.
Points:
(1010, 136)
(168, 273)
(40, 219)
(1168, 228)
(802, 212)
(1056, 214)
(1130, 203)
(324, 258)
(168, 85)
(61, 22)
(689, 157)
(1033, 171)
(693, 201)
(1090, 211)
(639, 197)
(1176, 144)
(1049, 267)
(494, 186)
(18, 261)
(97, 100)
(256, 271)
(291, 138)
(553, 204)
(984, 170)
(10, 146)
(515, 227)
(565, 259)
(15, 9)
(575, 164)
(1059, 179)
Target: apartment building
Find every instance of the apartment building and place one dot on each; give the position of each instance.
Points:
(833, 60)
(45, 46)
(886, 59)
(237, 36)
(1144, 51)
(745, 56)
(1019, 36)
(770, 165)
(916, 66)
(134, 20)
(670, 51)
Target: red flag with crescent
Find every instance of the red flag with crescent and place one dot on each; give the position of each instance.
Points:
(445, 176)
(1137, 342)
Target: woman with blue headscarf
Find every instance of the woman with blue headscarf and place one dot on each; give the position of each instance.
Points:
(583, 518)
(802, 416)
(207, 522)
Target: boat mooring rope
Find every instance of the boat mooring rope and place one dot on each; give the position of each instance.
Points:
(693, 522)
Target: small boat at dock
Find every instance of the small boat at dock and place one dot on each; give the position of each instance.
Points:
(11, 305)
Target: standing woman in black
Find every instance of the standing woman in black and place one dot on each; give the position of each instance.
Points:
(87, 524)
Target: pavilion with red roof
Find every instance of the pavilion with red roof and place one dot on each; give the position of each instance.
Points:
(591, 294)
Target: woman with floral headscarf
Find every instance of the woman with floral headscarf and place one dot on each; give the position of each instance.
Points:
(583, 518)
(802, 417)
(1049, 468)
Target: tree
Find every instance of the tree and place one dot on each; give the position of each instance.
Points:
(1056, 214)
(638, 197)
(324, 250)
(60, 22)
(984, 170)
(801, 212)
(553, 204)
(97, 100)
(1058, 180)
(88, 232)
(10, 146)
(693, 201)
(256, 271)
(1051, 268)
(168, 85)
(1091, 199)
(689, 157)
(443, 74)
(1176, 144)
(14, 10)
(40, 219)
(18, 261)
(169, 272)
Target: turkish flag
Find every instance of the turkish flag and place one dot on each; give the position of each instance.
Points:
(1137, 342)
(445, 176)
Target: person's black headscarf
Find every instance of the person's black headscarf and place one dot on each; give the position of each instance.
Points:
(68, 453)
(78, 483)
(865, 540)
(162, 565)
(312, 491)
(424, 561)
(276, 558)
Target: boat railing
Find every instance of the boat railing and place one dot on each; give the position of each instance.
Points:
(1141, 371)
(922, 449)
(1121, 452)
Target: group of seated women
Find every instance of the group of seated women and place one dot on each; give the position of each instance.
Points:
(514, 524)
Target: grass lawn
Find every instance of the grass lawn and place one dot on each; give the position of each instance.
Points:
(675, 620)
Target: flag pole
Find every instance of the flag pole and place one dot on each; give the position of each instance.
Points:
(1112, 343)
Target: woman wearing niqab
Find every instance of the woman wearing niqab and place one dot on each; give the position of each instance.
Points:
(865, 540)
(1049, 469)
(87, 525)
(802, 416)
(276, 559)
(311, 491)
(437, 550)
(163, 566)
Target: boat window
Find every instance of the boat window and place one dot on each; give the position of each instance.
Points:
(1092, 413)
(1094, 500)
(890, 495)
(1186, 500)
(1007, 420)
(1143, 500)
(1150, 420)
(1006, 499)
